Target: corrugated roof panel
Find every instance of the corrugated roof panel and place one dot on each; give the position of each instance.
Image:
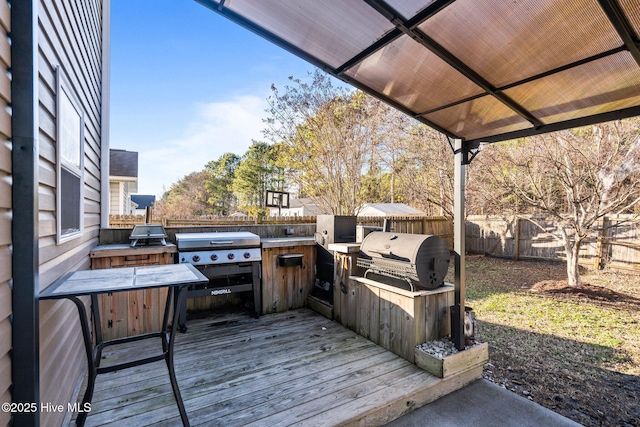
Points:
(333, 31)
(463, 68)
(479, 117)
(409, 8)
(631, 10)
(600, 86)
(508, 41)
(413, 76)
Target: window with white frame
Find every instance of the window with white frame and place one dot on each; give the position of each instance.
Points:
(70, 162)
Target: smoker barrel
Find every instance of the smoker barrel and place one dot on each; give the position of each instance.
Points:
(418, 259)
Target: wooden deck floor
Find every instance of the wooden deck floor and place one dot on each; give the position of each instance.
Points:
(294, 368)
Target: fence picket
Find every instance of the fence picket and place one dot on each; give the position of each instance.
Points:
(614, 244)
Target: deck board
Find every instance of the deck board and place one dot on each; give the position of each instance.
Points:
(281, 369)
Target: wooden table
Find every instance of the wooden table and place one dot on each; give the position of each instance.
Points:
(175, 277)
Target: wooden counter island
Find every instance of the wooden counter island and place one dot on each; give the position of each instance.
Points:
(394, 318)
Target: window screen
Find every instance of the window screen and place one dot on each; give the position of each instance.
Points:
(69, 147)
(70, 203)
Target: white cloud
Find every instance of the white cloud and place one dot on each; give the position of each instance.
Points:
(218, 127)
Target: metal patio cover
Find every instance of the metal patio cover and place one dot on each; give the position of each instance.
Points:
(477, 70)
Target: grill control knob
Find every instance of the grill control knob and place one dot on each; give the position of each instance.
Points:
(213, 257)
(195, 258)
(231, 256)
(247, 255)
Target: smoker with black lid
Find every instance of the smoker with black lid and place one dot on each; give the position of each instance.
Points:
(413, 261)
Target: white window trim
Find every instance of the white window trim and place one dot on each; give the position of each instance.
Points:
(63, 87)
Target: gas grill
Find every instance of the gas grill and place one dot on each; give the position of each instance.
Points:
(231, 261)
(413, 261)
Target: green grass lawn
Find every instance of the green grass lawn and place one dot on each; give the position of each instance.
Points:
(565, 348)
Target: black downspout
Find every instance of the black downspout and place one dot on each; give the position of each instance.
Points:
(25, 366)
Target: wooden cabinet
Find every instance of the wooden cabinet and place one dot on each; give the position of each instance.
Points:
(393, 318)
(287, 273)
(125, 314)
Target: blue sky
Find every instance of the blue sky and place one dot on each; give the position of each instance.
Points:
(187, 85)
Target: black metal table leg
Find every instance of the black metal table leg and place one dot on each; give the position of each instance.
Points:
(169, 354)
(176, 278)
(92, 372)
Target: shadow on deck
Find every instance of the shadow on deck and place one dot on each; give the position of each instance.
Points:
(281, 369)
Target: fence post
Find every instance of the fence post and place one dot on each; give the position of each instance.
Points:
(516, 240)
(483, 234)
(597, 259)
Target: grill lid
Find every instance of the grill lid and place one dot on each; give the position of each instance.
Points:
(147, 232)
(421, 260)
(217, 240)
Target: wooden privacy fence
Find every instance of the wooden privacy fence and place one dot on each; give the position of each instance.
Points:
(615, 243)
(414, 224)
(128, 221)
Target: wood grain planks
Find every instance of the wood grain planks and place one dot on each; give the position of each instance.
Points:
(293, 368)
(393, 318)
(124, 314)
(286, 288)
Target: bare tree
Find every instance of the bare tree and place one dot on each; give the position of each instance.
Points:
(425, 171)
(326, 137)
(575, 177)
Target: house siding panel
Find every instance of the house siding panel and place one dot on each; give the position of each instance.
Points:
(114, 188)
(5, 212)
(70, 36)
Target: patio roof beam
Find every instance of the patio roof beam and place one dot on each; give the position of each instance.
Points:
(240, 20)
(379, 44)
(278, 41)
(395, 105)
(554, 127)
(621, 24)
(450, 59)
(392, 16)
(533, 78)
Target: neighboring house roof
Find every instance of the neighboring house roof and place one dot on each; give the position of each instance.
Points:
(310, 206)
(238, 215)
(384, 209)
(123, 163)
(298, 203)
(143, 200)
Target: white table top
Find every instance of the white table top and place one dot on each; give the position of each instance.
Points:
(88, 282)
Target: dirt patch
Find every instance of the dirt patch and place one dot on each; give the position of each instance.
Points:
(593, 398)
(574, 350)
(599, 294)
